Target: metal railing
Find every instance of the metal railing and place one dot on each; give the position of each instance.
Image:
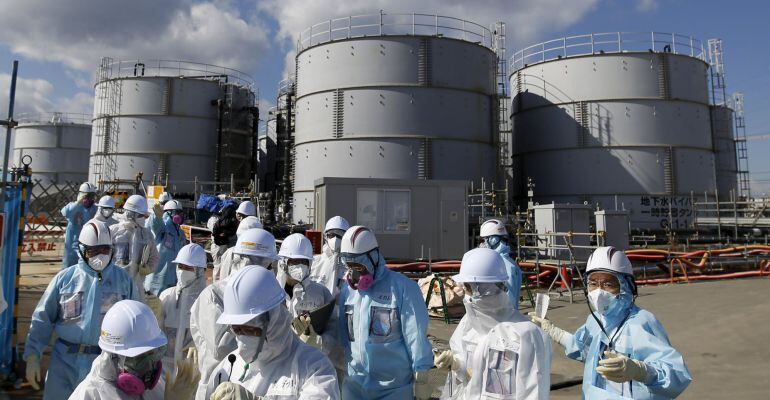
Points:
(55, 118)
(176, 68)
(610, 42)
(383, 24)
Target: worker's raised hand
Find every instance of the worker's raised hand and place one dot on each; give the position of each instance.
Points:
(33, 371)
(619, 368)
(300, 324)
(158, 210)
(187, 377)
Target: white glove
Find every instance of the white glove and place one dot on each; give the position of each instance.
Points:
(558, 335)
(445, 360)
(619, 368)
(187, 377)
(158, 210)
(33, 371)
(422, 387)
(300, 324)
(232, 391)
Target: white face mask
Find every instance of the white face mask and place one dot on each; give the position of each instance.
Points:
(601, 300)
(106, 212)
(185, 278)
(298, 272)
(99, 262)
(249, 347)
(334, 243)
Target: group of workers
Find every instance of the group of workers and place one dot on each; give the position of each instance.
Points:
(135, 318)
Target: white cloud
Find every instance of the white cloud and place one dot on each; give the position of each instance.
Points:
(78, 33)
(647, 5)
(32, 95)
(526, 20)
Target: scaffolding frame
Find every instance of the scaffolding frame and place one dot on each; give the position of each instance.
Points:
(741, 149)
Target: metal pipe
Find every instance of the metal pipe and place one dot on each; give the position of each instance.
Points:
(8, 127)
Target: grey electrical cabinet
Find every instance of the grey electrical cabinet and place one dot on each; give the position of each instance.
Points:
(615, 226)
(412, 219)
(563, 218)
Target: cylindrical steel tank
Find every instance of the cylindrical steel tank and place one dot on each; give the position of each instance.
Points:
(165, 119)
(615, 119)
(404, 97)
(57, 143)
(724, 151)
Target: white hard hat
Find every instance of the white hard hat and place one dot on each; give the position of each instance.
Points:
(248, 223)
(246, 208)
(106, 202)
(482, 265)
(164, 197)
(250, 292)
(192, 255)
(296, 245)
(137, 204)
(493, 227)
(87, 187)
(129, 328)
(256, 242)
(172, 205)
(609, 259)
(336, 222)
(95, 233)
(358, 240)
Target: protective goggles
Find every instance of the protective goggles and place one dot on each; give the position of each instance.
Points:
(144, 363)
(334, 233)
(361, 259)
(255, 327)
(484, 288)
(92, 251)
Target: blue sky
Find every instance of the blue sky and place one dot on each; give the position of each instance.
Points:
(59, 42)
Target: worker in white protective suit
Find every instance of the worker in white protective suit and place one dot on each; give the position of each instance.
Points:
(270, 361)
(245, 209)
(243, 226)
(176, 302)
(496, 353)
(213, 341)
(327, 267)
(129, 367)
(309, 302)
(248, 250)
(135, 249)
(105, 209)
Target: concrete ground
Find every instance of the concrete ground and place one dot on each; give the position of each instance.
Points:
(717, 326)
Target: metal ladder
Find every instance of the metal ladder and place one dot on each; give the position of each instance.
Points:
(108, 98)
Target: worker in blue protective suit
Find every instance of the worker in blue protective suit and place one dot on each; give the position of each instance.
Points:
(625, 349)
(169, 239)
(77, 214)
(383, 326)
(155, 219)
(495, 237)
(72, 307)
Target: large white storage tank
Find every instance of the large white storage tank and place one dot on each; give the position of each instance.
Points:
(615, 119)
(57, 144)
(399, 96)
(166, 120)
